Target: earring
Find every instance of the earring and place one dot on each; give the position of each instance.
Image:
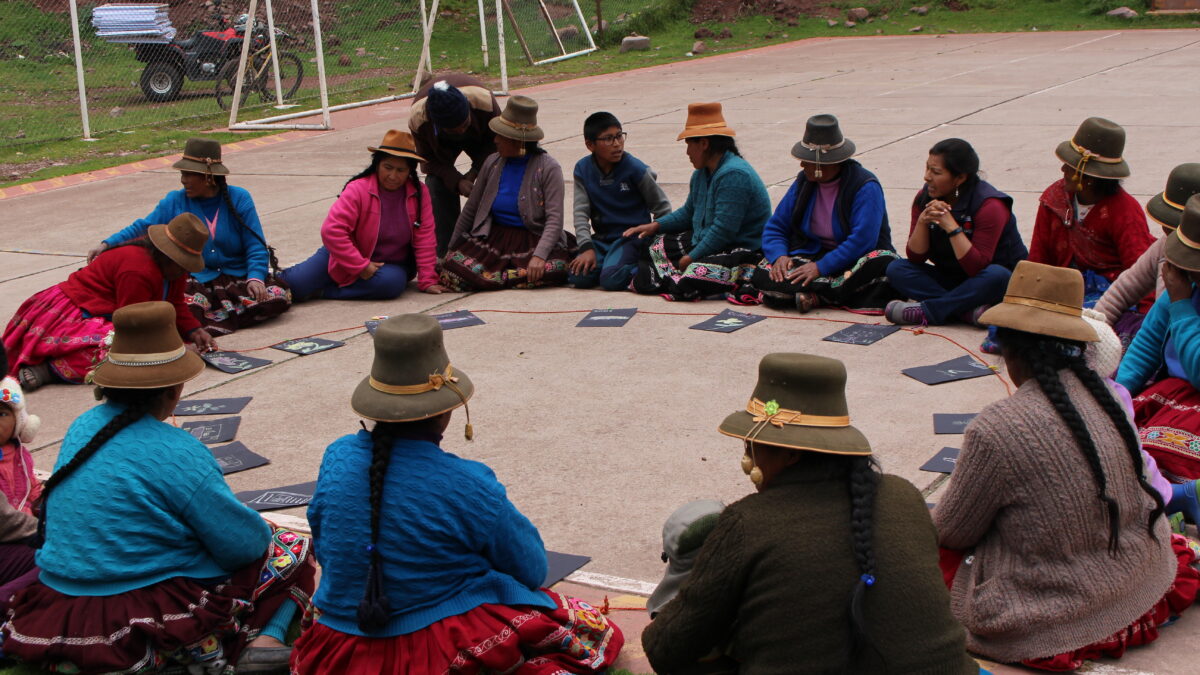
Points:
(756, 476)
(818, 173)
(955, 194)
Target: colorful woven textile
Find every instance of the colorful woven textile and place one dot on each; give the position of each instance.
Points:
(1168, 418)
(49, 328)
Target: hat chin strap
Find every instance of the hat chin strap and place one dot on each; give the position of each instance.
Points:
(819, 148)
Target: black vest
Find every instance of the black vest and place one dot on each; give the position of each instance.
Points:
(1010, 248)
(852, 177)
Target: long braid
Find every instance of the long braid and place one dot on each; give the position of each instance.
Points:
(374, 608)
(223, 186)
(864, 483)
(1120, 419)
(138, 403)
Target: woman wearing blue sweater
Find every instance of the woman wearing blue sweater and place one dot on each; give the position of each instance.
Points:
(426, 565)
(236, 289)
(149, 561)
(711, 244)
(1169, 340)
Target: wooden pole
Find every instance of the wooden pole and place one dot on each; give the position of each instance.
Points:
(553, 30)
(599, 21)
(517, 30)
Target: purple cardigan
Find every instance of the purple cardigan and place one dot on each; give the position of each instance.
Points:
(540, 203)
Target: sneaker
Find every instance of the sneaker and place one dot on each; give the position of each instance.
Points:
(971, 318)
(901, 312)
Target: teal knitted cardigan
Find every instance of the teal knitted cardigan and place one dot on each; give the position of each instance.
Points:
(725, 209)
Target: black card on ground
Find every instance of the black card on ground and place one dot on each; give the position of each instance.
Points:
(561, 565)
(460, 319)
(951, 423)
(962, 368)
(236, 457)
(943, 461)
(372, 323)
(213, 431)
(232, 362)
(278, 498)
(862, 334)
(212, 406)
(607, 318)
(728, 321)
(306, 346)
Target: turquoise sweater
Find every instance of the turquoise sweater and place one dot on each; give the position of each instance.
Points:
(725, 209)
(150, 505)
(450, 539)
(1176, 321)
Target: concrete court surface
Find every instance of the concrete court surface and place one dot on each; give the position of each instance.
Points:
(600, 434)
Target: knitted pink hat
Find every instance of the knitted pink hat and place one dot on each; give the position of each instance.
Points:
(27, 425)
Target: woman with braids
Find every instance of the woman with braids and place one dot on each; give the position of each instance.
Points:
(377, 234)
(830, 568)
(236, 288)
(61, 333)
(711, 244)
(427, 568)
(1055, 545)
(148, 561)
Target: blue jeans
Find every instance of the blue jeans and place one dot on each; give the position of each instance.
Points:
(616, 261)
(944, 296)
(311, 277)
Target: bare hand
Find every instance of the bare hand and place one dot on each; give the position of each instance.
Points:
(937, 214)
(436, 289)
(370, 270)
(258, 290)
(780, 268)
(203, 341)
(685, 261)
(1176, 282)
(464, 186)
(642, 231)
(804, 274)
(583, 263)
(96, 251)
(537, 268)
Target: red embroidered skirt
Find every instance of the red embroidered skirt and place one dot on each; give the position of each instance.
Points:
(573, 637)
(1168, 418)
(169, 624)
(49, 328)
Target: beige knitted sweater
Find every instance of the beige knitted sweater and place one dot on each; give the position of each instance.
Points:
(1134, 283)
(1040, 580)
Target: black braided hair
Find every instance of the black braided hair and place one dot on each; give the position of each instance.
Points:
(138, 403)
(223, 187)
(719, 145)
(374, 608)
(1045, 357)
(864, 483)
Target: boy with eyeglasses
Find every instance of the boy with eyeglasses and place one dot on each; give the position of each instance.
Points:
(613, 192)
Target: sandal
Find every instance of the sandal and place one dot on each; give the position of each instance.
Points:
(32, 377)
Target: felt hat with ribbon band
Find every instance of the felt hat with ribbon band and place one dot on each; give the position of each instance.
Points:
(518, 121)
(182, 240)
(146, 352)
(1096, 149)
(823, 142)
(202, 155)
(1167, 206)
(705, 119)
(398, 143)
(1182, 248)
(411, 377)
(1045, 300)
(799, 403)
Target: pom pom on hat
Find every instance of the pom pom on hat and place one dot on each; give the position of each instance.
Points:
(1104, 355)
(447, 106)
(27, 425)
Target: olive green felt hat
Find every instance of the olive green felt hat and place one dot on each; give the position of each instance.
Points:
(1043, 299)
(146, 352)
(411, 377)
(823, 142)
(1183, 245)
(1096, 149)
(202, 155)
(799, 403)
(518, 121)
(1167, 206)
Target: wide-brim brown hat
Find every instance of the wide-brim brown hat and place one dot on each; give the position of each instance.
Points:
(398, 143)
(799, 403)
(1167, 206)
(182, 240)
(1096, 149)
(202, 155)
(705, 119)
(411, 377)
(146, 352)
(1045, 300)
(1182, 248)
(518, 121)
(823, 142)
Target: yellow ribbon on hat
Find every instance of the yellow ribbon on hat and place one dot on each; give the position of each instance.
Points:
(1085, 156)
(771, 413)
(1190, 243)
(1057, 307)
(435, 382)
(518, 125)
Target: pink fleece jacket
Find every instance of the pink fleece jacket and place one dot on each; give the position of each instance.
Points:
(351, 230)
